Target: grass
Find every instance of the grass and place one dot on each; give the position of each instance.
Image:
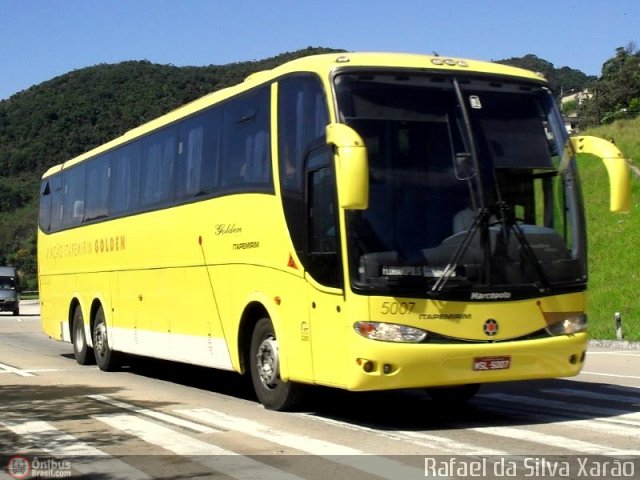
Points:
(614, 260)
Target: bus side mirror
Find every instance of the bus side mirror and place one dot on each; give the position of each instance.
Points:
(617, 168)
(352, 167)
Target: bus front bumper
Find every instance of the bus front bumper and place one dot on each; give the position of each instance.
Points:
(376, 365)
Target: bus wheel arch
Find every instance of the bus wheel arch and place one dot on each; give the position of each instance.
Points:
(252, 313)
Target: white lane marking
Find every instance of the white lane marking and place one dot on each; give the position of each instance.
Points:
(196, 427)
(25, 372)
(614, 375)
(593, 395)
(554, 441)
(620, 353)
(9, 369)
(344, 455)
(57, 443)
(599, 424)
(212, 456)
(49, 437)
(249, 427)
(572, 408)
(445, 445)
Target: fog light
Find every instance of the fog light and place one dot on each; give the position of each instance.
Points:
(368, 366)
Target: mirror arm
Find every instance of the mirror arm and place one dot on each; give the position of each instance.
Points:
(617, 168)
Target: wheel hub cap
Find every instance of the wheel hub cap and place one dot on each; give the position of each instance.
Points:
(268, 362)
(101, 339)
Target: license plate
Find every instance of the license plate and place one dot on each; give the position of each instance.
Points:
(491, 363)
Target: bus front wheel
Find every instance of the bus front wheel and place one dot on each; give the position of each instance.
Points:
(81, 350)
(264, 363)
(105, 357)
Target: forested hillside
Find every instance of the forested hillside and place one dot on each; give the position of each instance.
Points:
(72, 113)
(562, 80)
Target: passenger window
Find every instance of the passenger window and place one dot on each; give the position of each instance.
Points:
(198, 153)
(73, 196)
(55, 185)
(246, 161)
(302, 118)
(158, 157)
(125, 175)
(97, 189)
(45, 205)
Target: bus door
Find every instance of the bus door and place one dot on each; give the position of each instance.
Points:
(323, 269)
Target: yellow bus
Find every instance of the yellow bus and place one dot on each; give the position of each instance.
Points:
(362, 221)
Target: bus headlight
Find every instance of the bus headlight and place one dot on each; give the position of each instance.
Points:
(568, 326)
(390, 332)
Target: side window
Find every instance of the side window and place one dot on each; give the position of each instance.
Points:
(302, 118)
(323, 260)
(97, 188)
(45, 205)
(125, 175)
(246, 160)
(55, 185)
(198, 153)
(73, 196)
(158, 158)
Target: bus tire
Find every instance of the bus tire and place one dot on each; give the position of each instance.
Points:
(83, 352)
(264, 364)
(105, 357)
(454, 395)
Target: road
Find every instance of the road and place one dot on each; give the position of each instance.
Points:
(155, 419)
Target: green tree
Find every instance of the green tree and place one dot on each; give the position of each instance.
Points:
(562, 80)
(617, 92)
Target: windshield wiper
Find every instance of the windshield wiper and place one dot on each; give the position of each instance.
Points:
(509, 223)
(480, 217)
(477, 197)
(480, 222)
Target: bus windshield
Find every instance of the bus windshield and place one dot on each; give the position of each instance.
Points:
(472, 187)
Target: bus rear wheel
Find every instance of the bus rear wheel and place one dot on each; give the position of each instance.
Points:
(105, 357)
(82, 351)
(264, 363)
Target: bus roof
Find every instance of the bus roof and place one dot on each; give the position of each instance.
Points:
(320, 64)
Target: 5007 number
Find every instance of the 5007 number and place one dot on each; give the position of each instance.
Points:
(397, 308)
